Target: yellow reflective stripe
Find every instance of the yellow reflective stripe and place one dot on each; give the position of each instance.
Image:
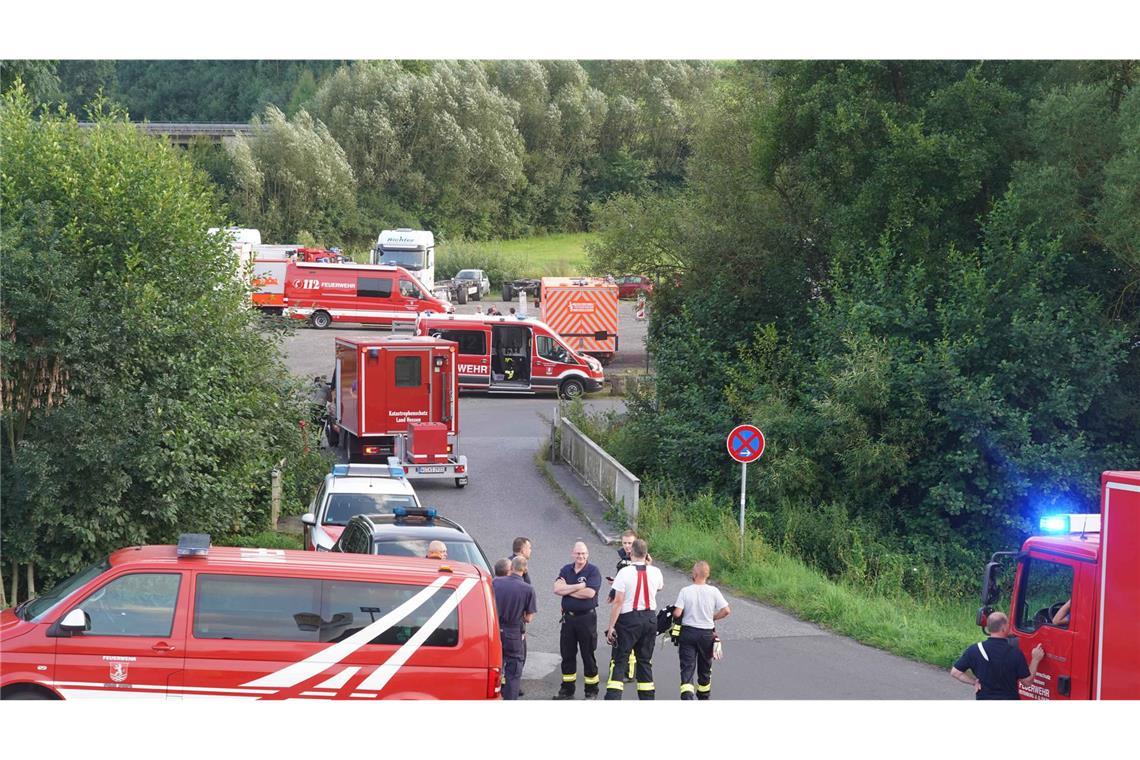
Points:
(646, 687)
(615, 685)
(703, 687)
(686, 688)
(591, 680)
(570, 678)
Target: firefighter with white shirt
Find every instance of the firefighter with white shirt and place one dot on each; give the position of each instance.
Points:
(633, 623)
(698, 606)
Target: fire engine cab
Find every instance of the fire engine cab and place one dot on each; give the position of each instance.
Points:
(507, 354)
(197, 621)
(397, 403)
(1076, 591)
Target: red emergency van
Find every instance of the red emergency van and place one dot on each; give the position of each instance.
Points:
(198, 621)
(361, 293)
(509, 354)
(584, 311)
(1076, 592)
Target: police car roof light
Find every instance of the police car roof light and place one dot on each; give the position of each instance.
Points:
(340, 469)
(193, 545)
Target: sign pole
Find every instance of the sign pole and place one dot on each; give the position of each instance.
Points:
(743, 479)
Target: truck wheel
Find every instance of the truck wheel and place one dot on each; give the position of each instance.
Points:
(508, 292)
(479, 294)
(571, 388)
(461, 296)
(321, 319)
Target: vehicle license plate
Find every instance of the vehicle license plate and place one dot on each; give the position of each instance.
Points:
(431, 469)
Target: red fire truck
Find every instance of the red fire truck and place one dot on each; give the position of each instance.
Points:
(362, 293)
(397, 403)
(196, 621)
(507, 354)
(1076, 591)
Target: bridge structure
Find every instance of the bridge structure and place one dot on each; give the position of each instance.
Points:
(182, 134)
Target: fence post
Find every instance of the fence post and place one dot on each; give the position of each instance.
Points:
(274, 497)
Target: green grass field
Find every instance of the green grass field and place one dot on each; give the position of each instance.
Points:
(549, 255)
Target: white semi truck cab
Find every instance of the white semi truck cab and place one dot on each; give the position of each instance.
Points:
(413, 250)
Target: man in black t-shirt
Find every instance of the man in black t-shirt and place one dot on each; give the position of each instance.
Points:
(997, 663)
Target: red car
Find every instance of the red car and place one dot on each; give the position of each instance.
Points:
(631, 284)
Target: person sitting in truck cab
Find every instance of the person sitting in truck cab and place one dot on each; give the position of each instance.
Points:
(508, 368)
(1061, 617)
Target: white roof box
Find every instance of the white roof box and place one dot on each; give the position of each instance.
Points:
(405, 238)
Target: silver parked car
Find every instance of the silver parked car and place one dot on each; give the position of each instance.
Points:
(477, 276)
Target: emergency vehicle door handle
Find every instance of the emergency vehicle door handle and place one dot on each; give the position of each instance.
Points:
(162, 646)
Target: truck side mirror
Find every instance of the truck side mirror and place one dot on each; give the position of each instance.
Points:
(991, 591)
(75, 621)
(309, 518)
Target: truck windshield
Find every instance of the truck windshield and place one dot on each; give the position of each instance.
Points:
(34, 610)
(412, 260)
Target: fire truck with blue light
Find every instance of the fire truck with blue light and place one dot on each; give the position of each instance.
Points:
(1076, 592)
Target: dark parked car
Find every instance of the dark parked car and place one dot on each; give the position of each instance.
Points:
(630, 285)
(407, 533)
(477, 276)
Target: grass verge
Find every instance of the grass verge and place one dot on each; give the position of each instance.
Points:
(545, 255)
(932, 631)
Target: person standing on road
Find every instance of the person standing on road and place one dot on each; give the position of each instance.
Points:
(997, 663)
(521, 547)
(578, 584)
(633, 622)
(698, 606)
(516, 602)
(624, 560)
(502, 568)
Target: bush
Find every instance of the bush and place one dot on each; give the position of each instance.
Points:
(461, 255)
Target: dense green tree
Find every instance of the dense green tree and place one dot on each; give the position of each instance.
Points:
(140, 396)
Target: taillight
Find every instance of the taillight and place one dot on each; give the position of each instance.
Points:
(371, 451)
(494, 683)
(461, 468)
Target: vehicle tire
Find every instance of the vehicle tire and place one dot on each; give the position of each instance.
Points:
(321, 319)
(479, 294)
(508, 292)
(27, 693)
(459, 483)
(461, 295)
(332, 436)
(571, 388)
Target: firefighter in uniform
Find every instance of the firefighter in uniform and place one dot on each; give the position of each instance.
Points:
(578, 584)
(633, 623)
(624, 560)
(698, 607)
(516, 603)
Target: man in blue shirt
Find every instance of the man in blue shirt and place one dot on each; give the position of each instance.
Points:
(578, 584)
(516, 602)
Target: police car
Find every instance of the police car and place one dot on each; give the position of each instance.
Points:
(350, 490)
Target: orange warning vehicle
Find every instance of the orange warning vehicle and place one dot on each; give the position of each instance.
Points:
(584, 311)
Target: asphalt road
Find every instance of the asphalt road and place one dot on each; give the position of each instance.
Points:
(768, 653)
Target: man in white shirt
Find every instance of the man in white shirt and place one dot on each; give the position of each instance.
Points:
(633, 622)
(698, 606)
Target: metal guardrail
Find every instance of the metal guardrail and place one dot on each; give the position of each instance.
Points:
(619, 487)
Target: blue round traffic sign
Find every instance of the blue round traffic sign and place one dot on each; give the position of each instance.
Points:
(745, 443)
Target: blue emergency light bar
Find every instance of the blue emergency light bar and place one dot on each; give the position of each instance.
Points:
(369, 470)
(429, 513)
(1058, 525)
(193, 545)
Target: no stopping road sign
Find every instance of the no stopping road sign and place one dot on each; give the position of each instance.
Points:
(745, 443)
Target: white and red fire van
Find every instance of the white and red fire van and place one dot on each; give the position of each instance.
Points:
(199, 621)
(584, 311)
(508, 354)
(361, 293)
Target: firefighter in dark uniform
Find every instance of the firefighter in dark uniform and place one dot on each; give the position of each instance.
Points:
(997, 663)
(633, 623)
(516, 602)
(624, 560)
(578, 584)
